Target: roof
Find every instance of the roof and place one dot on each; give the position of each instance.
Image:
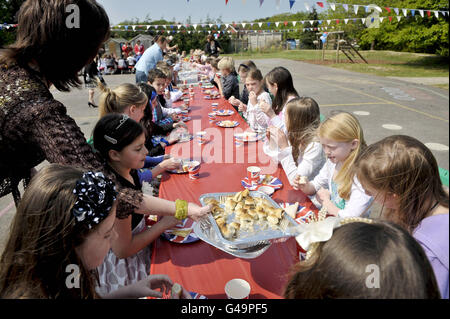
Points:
(118, 40)
(140, 36)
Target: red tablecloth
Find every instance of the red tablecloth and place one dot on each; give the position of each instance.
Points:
(198, 266)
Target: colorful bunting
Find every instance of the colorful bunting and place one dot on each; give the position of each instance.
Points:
(291, 3)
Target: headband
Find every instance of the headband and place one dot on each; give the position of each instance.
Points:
(311, 234)
(95, 196)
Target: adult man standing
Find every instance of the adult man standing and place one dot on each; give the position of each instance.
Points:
(149, 59)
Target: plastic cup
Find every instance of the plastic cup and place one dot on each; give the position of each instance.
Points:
(253, 173)
(239, 139)
(201, 137)
(194, 170)
(237, 289)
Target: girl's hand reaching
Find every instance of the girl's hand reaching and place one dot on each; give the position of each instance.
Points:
(197, 212)
(147, 287)
(170, 164)
(168, 222)
(278, 137)
(242, 107)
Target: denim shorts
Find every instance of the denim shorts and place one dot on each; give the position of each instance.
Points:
(141, 77)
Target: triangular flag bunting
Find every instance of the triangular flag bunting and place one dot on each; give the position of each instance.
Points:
(285, 23)
(398, 18)
(195, 26)
(356, 7)
(381, 19)
(333, 6)
(363, 20)
(366, 8)
(421, 13)
(320, 4)
(291, 3)
(243, 25)
(346, 21)
(413, 12)
(307, 6)
(277, 23)
(345, 7)
(396, 11)
(226, 2)
(436, 13)
(261, 2)
(328, 21)
(405, 12)
(260, 24)
(311, 22)
(388, 9)
(428, 13)
(294, 23)
(390, 18)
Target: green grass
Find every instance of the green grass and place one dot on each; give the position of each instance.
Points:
(381, 63)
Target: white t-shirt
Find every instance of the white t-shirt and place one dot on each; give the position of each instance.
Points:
(359, 200)
(256, 118)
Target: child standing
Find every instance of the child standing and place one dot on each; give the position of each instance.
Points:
(228, 82)
(402, 175)
(300, 151)
(255, 117)
(120, 141)
(280, 85)
(336, 187)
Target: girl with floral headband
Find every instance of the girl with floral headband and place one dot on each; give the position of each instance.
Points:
(402, 175)
(63, 226)
(361, 258)
(120, 141)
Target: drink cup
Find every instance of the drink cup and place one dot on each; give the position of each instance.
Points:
(194, 170)
(237, 289)
(186, 102)
(201, 137)
(214, 106)
(253, 173)
(212, 117)
(239, 139)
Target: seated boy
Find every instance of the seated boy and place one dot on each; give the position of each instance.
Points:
(228, 84)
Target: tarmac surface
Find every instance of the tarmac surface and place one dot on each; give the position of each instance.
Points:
(384, 107)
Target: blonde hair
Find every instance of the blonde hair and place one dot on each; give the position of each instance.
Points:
(344, 127)
(117, 100)
(166, 70)
(226, 63)
(303, 116)
(403, 166)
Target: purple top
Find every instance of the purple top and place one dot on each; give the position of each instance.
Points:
(433, 236)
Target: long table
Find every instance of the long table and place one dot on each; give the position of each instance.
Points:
(198, 266)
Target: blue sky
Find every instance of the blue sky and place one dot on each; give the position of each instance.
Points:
(235, 10)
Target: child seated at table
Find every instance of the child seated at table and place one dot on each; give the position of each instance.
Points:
(227, 82)
(336, 187)
(120, 141)
(243, 70)
(65, 218)
(300, 151)
(363, 259)
(280, 85)
(129, 99)
(251, 111)
(164, 117)
(402, 175)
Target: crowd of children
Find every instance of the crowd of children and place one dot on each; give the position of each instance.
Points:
(328, 161)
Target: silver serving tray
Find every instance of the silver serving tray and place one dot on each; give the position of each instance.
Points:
(247, 239)
(204, 230)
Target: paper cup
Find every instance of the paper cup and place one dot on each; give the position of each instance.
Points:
(212, 117)
(214, 106)
(253, 173)
(194, 170)
(239, 139)
(237, 289)
(186, 102)
(201, 137)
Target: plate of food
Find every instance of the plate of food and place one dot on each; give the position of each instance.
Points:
(184, 166)
(212, 97)
(264, 180)
(185, 118)
(246, 219)
(224, 112)
(227, 123)
(181, 233)
(252, 137)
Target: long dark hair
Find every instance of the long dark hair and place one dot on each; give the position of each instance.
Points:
(49, 36)
(115, 132)
(147, 120)
(43, 239)
(339, 266)
(283, 78)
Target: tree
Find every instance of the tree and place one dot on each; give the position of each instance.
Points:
(8, 12)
